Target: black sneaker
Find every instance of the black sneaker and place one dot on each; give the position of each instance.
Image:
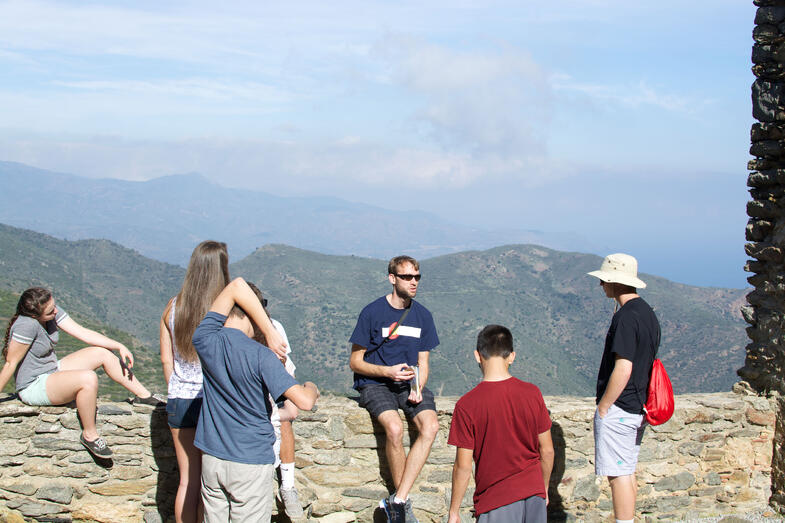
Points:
(154, 400)
(97, 447)
(396, 512)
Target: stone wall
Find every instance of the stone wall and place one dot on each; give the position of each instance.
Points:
(713, 457)
(765, 231)
(765, 362)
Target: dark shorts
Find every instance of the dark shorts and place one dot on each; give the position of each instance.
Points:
(183, 413)
(381, 397)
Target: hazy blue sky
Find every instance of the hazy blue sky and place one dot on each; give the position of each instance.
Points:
(624, 122)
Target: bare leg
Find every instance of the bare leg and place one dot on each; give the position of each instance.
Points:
(287, 442)
(80, 385)
(187, 503)
(624, 489)
(393, 446)
(427, 427)
(90, 358)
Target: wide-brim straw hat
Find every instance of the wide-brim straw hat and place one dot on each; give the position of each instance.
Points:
(619, 268)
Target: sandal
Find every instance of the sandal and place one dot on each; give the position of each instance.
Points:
(97, 447)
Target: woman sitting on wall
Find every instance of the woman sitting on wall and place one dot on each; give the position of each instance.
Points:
(42, 379)
(205, 278)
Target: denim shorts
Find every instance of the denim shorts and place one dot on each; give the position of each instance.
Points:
(35, 393)
(183, 413)
(381, 397)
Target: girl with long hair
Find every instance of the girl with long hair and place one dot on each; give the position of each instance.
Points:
(205, 278)
(43, 379)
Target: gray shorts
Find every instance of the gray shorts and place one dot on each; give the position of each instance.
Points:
(529, 510)
(234, 491)
(617, 442)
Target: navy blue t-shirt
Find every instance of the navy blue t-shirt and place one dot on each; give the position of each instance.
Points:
(417, 334)
(234, 423)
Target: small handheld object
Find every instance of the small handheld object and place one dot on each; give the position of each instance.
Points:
(126, 369)
(416, 380)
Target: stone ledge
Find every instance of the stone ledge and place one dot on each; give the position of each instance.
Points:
(713, 456)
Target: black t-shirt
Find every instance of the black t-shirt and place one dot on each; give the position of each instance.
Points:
(634, 335)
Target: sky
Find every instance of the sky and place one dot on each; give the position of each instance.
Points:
(623, 123)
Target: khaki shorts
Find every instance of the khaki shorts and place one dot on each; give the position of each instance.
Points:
(234, 491)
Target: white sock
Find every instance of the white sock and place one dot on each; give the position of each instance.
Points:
(625, 521)
(287, 476)
(396, 499)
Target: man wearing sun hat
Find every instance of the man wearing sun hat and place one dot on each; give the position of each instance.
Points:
(622, 381)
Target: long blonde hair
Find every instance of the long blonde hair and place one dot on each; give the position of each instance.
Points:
(205, 278)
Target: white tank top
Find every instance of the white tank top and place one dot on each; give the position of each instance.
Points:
(186, 379)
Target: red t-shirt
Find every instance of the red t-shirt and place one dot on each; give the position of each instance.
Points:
(501, 421)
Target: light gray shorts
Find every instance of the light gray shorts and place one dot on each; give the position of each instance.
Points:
(617, 442)
(234, 491)
(529, 510)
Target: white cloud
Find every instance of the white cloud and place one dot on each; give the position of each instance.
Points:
(632, 95)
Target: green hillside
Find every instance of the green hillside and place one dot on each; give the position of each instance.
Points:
(557, 314)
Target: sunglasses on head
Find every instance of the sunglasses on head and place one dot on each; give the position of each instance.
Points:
(408, 277)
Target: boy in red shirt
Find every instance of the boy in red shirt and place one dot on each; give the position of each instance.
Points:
(503, 425)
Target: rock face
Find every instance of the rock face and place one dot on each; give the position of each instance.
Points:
(765, 233)
(714, 456)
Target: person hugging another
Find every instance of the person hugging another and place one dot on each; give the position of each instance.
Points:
(234, 431)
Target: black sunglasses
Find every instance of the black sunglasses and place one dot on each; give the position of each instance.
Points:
(408, 277)
(264, 302)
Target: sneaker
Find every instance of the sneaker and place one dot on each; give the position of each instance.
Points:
(396, 512)
(97, 447)
(154, 400)
(410, 518)
(291, 503)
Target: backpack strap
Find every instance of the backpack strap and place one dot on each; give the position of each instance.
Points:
(392, 332)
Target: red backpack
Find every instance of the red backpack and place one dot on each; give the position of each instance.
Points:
(660, 403)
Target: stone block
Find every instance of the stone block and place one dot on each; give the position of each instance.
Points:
(366, 492)
(58, 493)
(49, 443)
(48, 428)
(104, 512)
(13, 448)
(338, 476)
(17, 409)
(680, 481)
(123, 487)
(765, 418)
(33, 509)
(25, 488)
(127, 422)
(365, 441)
(338, 517)
(112, 409)
(587, 489)
(330, 457)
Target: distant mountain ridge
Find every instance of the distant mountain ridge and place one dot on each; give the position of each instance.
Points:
(165, 217)
(557, 314)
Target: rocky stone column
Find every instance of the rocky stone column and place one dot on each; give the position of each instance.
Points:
(765, 232)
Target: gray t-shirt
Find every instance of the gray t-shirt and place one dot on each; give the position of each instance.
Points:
(40, 357)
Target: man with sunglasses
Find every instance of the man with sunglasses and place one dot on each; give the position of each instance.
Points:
(391, 345)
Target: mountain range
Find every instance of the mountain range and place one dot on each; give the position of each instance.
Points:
(557, 314)
(165, 217)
